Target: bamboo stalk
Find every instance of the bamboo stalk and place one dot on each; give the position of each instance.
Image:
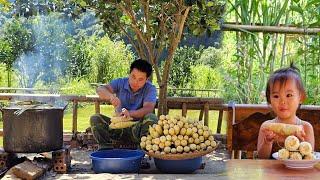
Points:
(269, 29)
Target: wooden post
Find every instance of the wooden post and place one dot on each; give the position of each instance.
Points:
(74, 117)
(97, 107)
(206, 114)
(184, 109)
(219, 121)
(229, 133)
(201, 115)
(250, 155)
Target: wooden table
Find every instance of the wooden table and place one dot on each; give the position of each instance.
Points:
(266, 169)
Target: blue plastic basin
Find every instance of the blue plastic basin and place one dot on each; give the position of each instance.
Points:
(116, 161)
(178, 166)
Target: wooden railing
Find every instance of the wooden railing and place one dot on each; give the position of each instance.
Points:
(184, 92)
(183, 103)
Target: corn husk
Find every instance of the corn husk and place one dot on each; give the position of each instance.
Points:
(122, 125)
(117, 119)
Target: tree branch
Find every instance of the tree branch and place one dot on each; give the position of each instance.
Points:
(174, 43)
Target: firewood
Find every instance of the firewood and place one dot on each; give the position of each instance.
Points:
(27, 170)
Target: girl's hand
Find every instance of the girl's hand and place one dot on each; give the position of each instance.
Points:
(270, 136)
(301, 135)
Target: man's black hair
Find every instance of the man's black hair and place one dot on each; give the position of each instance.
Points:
(142, 65)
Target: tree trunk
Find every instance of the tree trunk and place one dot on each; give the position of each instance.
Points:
(9, 75)
(162, 99)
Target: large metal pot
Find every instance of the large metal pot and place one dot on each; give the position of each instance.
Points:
(38, 129)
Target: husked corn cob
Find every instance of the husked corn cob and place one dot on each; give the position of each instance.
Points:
(284, 129)
(117, 119)
(121, 125)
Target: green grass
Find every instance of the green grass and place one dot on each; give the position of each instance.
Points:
(84, 114)
(86, 111)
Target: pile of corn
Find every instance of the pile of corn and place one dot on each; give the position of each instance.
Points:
(177, 135)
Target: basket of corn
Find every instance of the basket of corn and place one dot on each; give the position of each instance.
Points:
(177, 144)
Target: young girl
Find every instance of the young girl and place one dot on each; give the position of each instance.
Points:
(285, 93)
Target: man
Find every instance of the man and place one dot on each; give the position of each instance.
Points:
(133, 97)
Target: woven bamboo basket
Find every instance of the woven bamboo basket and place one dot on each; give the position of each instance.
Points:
(182, 156)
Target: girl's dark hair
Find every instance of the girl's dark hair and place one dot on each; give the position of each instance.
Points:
(142, 65)
(282, 75)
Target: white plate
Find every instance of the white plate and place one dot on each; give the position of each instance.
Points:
(299, 164)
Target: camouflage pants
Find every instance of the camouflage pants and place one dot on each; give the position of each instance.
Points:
(105, 135)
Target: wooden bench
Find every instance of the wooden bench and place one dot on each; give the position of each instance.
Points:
(244, 121)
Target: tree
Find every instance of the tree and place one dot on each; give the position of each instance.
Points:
(155, 26)
(15, 39)
(6, 57)
(184, 58)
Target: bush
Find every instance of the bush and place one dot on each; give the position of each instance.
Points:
(211, 57)
(78, 58)
(204, 77)
(180, 72)
(110, 60)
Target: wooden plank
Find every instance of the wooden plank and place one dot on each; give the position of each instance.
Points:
(97, 107)
(229, 131)
(249, 155)
(27, 170)
(47, 97)
(201, 115)
(184, 109)
(219, 121)
(199, 106)
(75, 117)
(206, 114)
(196, 100)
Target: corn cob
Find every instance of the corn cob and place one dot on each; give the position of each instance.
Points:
(122, 125)
(284, 129)
(117, 119)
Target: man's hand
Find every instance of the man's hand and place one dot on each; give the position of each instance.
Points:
(115, 101)
(125, 113)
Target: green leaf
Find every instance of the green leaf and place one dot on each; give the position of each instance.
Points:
(297, 9)
(311, 3)
(196, 31)
(210, 4)
(282, 12)
(83, 3)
